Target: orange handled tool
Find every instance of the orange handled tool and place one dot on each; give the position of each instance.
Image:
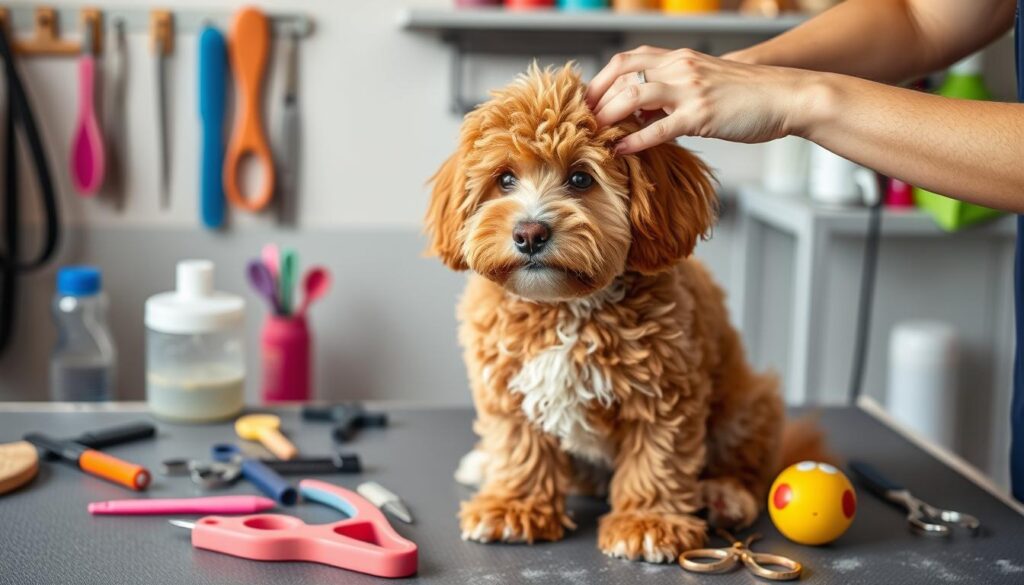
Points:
(248, 44)
(94, 462)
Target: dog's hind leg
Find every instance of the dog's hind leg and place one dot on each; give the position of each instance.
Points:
(744, 430)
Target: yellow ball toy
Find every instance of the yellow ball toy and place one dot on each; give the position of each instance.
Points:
(812, 503)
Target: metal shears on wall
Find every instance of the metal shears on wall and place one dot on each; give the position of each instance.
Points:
(922, 517)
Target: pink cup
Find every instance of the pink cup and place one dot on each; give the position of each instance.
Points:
(287, 362)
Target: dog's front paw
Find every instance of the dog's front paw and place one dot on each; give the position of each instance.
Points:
(649, 536)
(489, 518)
(730, 505)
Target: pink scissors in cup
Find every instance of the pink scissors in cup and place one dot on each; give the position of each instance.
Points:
(363, 542)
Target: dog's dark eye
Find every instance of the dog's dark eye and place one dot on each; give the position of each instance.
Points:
(506, 181)
(580, 180)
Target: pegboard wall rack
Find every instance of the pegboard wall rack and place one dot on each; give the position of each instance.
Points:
(51, 30)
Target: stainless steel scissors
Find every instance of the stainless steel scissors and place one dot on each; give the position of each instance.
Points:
(206, 474)
(720, 560)
(923, 518)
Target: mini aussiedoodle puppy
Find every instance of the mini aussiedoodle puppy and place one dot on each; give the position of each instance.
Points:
(591, 338)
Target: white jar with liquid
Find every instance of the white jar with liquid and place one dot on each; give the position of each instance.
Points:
(195, 349)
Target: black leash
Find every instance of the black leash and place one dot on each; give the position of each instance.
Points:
(19, 114)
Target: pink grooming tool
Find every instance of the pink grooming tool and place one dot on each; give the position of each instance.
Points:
(315, 284)
(88, 158)
(364, 542)
(271, 256)
(155, 507)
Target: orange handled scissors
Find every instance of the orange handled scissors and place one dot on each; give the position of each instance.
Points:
(249, 43)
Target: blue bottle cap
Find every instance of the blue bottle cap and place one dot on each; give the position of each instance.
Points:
(79, 281)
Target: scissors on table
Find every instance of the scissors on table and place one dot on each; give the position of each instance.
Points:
(363, 542)
(228, 464)
(922, 517)
(720, 560)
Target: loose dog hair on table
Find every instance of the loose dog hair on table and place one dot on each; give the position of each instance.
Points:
(591, 337)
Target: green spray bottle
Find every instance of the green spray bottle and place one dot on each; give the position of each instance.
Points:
(963, 81)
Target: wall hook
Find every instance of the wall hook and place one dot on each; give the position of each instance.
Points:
(46, 39)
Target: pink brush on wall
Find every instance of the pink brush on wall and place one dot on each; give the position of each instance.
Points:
(88, 158)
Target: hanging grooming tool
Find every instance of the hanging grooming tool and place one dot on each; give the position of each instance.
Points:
(363, 542)
(18, 113)
(721, 560)
(156, 506)
(291, 129)
(162, 34)
(249, 44)
(94, 462)
(921, 517)
(385, 499)
(115, 113)
(88, 156)
(213, 75)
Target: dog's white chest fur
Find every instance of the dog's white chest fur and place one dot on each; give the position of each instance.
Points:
(558, 390)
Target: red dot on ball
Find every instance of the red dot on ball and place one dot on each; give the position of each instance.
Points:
(783, 495)
(849, 504)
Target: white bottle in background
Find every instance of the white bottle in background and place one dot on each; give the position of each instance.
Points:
(195, 349)
(836, 181)
(83, 365)
(922, 387)
(785, 166)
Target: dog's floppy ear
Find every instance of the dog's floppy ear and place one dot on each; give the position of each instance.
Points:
(446, 214)
(672, 205)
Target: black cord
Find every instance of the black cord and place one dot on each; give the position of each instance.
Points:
(868, 273)
(19, 113)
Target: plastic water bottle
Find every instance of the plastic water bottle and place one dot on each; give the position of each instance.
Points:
(84, 361)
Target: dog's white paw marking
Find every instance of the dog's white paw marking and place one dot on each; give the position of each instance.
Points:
(651, 552)
(472, 468)
(479, 533)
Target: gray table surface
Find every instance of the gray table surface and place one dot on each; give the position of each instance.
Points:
(46, 536)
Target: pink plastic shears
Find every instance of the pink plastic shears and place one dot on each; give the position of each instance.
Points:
(363, 542)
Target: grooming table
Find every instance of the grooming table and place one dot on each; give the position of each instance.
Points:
(47, 537)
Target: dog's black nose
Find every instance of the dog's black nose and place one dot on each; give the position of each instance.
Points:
(530, 236)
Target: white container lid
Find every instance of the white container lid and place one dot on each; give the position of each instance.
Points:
(194, 307)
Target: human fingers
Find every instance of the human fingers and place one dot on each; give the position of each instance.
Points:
(620, 65)
(649, 96)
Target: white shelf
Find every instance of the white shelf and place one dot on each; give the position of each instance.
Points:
(794, 213)
(447, 20)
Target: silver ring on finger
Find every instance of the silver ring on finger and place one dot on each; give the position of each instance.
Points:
(641, 77)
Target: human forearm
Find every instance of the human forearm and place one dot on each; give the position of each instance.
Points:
(886, 40)
(966, 149)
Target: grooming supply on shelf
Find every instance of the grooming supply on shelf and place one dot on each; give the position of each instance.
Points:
(88, 151)
(363, 542)
(722, 560)
(785, 165)
(248, 46)
(690, 6)
(83, 365)
(812, 503)
(162, 36)
(348, 418)
(385, 499)
(94, 462)
(195, 348)
(213, 78)
(157, 506)
(922, 390)
(963, 81)
(922, 517)
(265, 428)
(836, 181)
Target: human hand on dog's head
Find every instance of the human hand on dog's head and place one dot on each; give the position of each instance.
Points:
(536, 200)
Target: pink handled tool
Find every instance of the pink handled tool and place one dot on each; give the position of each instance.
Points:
(364, 542)
(155, 507)
(88, 159)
